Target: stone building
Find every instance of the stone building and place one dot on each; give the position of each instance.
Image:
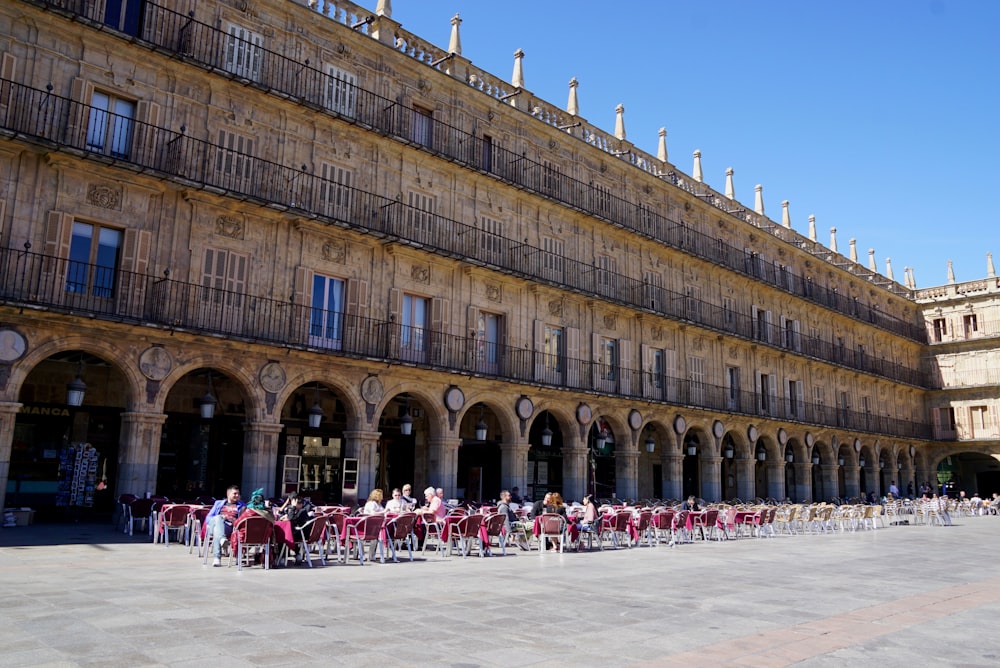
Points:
(293, 246)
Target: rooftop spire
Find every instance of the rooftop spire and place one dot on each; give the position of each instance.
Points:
(758, 199)
(812, 227)
(661, 149)
(990, 271)
(786, 218)
(572, 104)
(620, 122)
(913, 278)
(871, 260)
(951, 272)
(455, 43)
(730, 191)
(853, 244)
(384, 8)
(517, 78)
(696, 172)
(888, 269)
(906, 278)
(833, 239)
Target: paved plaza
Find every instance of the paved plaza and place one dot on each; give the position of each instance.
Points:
(82, 594)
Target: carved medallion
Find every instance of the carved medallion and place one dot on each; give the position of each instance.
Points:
(420, 273)
(155, 363)
(272, 377)
(372, 390)
(656, 333)
(334, 251)
(229, 226)
(493, 292)
(610, 322)
(556, 308)
(104, 196)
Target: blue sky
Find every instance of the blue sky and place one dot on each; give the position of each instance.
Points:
(880, 118)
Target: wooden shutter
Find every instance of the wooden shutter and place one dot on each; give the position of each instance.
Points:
(572, 357)
(539, 327)
(395, 315)
(58, 235)
(440, 331)
(625, 366)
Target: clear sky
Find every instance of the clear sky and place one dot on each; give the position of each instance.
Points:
(878, 117)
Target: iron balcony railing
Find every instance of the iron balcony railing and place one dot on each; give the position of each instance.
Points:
(67, 124)
(249, 62)
(42, 281)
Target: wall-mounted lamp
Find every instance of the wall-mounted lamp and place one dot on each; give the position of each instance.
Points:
(207, 403)
(840, 460)
(815, 460)
(76, 388)
(316, 412)
(729, 451)
(600, 439)
(899, 466)
(692, 449)
(862, 462)
(761, 455)
(481, 426)
(546, 433)
(406, 421)
(789, 457)
(650, 443)
(881, 464)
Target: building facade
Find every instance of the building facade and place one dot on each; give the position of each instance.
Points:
(293, 246)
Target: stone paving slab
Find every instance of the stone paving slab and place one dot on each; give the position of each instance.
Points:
(80, 595)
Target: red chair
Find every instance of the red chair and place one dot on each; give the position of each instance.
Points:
(173, 518)
(725, 524)
(644, 527)
(368, 530)
(462, 532)
(552, 525)
(662, 524)
(495, 524)
(335, 532)
(705, 521)
(139, 510)
(197, 521)
(593, 530)
(617, 525)
(400, 529)
(251, 533)
(313, 533)
(678, 529)
(122, 515)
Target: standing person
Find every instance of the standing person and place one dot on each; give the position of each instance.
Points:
(409, 503)
(909, 489)
(220, 521)
(894, 490)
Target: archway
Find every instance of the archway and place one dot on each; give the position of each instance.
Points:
(727, 468)
(402, 453)
(315, 418)
(545, 460)
(601, 440)
(761, 479)
(691, 465)
(479, 457)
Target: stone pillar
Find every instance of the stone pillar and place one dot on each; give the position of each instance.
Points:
(673, 474)
(776, 480)
(363, 445)
(801, 482)
(746, 478)
(831, 481)
(8, 415)
(514, 465)
(851, 486)
(442, 463)
(576, 472)
(260, 457)
(626, 473)
(139, 453)
(711, 483)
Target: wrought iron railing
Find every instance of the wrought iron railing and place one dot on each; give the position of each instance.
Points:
(208, 46)
(42, 281)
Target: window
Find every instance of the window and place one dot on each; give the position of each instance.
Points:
(765, 394)
(840, 350)
(341, 93)
(486, 159)
(844, 409)
(552, 349)
(794, 399)
(607, 272)
(326, 318)
(244, 53)
(733, 388)
(819, 404)
(970, 324)
(783, 277)
(491, 240)
(419, 215)
(412, 340)
(94, 253)
(693, 302)
(552, 258)
(940, 328)
(551, 179)
(761, 324)
(607, 359)
(653, 285)
(790, 335)
(224, 277)
(488, 342)
(729, 314)
(124, 15)
(656, 370)
(234, 160)
(946, 419)
(600, 199)
(980, 421)
(752, 263)
(696, 379)
(111, 125)
(423, 126)
(861, 356)
(335, 190)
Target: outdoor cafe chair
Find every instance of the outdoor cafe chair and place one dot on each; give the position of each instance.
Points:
(432, 527)
(592, 531)
(335, 533)
(313, 534)
(251, 535)
(196, 519)
(366, 532)
(122, 514)
(172, 518)
(494, 525)
(661, 524)
(552, 525)
(139, 510)
(399, 530)
(644, 528)
(463, 532)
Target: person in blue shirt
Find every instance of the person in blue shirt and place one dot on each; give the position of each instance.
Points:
(220, 521)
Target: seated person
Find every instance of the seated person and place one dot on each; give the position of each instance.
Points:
(435, 510)
(220, 519)
(374, 504)
(590, 514)
(287, 507)
(691, 503)
(538, 507)
(409, 503)
(515, 496)
(395, 504)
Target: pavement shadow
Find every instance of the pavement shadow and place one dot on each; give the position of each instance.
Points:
(67, 534)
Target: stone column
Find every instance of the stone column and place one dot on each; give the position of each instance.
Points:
(801, 482)
(711, 484)
(139, 453)
(8, 416)
(362, 445)
(776, 480)
(575, 471)
(514, 465)
(746, 478)
(851, 486)
(260, 457)
(673, 474)
(442, 463)
(626, 473)
(831, 481)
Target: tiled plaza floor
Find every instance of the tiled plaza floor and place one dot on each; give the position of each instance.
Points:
(79, 595)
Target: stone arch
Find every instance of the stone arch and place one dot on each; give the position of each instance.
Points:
(306, 380)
